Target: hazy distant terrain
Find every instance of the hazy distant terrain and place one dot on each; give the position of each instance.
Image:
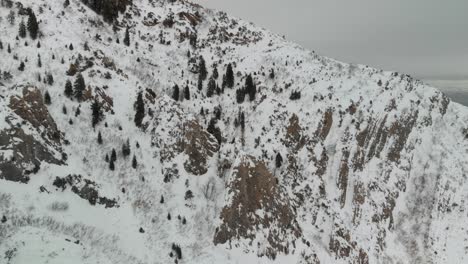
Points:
(457, 90)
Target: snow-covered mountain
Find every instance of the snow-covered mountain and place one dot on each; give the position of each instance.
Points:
(291, 157)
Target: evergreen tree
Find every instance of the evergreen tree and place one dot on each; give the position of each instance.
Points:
(272, 74)
(97, 114)
(39, 62)
(214, 130)
(200, 83)
(38, 45)
(79, 87)
(126, 39)
(215, 72)
(211, 88)
(187, 93)
(113, 155)
(47, 100)
(202, 69)
(111, 165)
(99, 138)
(50, 79)
(21, 67)
(126, 148)
(279, 160)
(70, 46)
(240, 95)
(66, 3)
(140, 110)
(9, 48)
(162, 199)
(229, 76)
(250, 87)
(22, 29)
(175, 93)
(11, 17)
(242, 120)
(33, 26)
(68, 89)
(134, 162)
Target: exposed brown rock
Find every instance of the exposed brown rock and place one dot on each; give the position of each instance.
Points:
(294, 137)
(343, 177)
(325, 126)
(31, 108)
(199, 145)
(342, 245)
(257, 205)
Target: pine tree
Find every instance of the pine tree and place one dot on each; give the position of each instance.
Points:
(99, 138)
(175, 93)
(97, 114)
(214, 130)
(229, 76)
(242, 120)
(47, 100)
(272, 74)
(70, 46)
(200, 84)
(211, 88)
(140, 110)
(126, 148)
(11, 17)
(21, 67)
(9, 48)
(111, 165)
(162, 199)
(38, 45)
(187, 93)
(279, 160)
(126, 39)
(169, 216)
(202, 69)
(66, 3)
(39, 62)
(134, 162)
(250, 87)
(33, 27)
(22, 29)
(68, 89)
(215, 72)
(113, 155)
(50, 79)
(79, 87)
(240, 96)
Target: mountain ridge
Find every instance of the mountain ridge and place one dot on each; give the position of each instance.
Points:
(372, 164)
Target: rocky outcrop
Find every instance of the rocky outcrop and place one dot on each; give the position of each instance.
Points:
(256, 209)
(84, 188)
(24, 147)
(199, 145)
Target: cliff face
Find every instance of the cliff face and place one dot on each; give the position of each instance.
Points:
(373, 163)
(29, 138)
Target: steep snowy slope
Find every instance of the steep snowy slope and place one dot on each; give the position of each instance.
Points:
(314, 161)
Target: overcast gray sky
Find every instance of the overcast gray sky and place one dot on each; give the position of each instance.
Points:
(425, 38)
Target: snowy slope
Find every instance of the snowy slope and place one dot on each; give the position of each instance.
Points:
(373, 165)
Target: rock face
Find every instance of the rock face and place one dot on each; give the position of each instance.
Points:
(176, 134)
(32, 139)
(199, 145)
(256, 209)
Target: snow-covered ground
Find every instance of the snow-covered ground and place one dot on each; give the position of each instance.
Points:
(374, 169)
